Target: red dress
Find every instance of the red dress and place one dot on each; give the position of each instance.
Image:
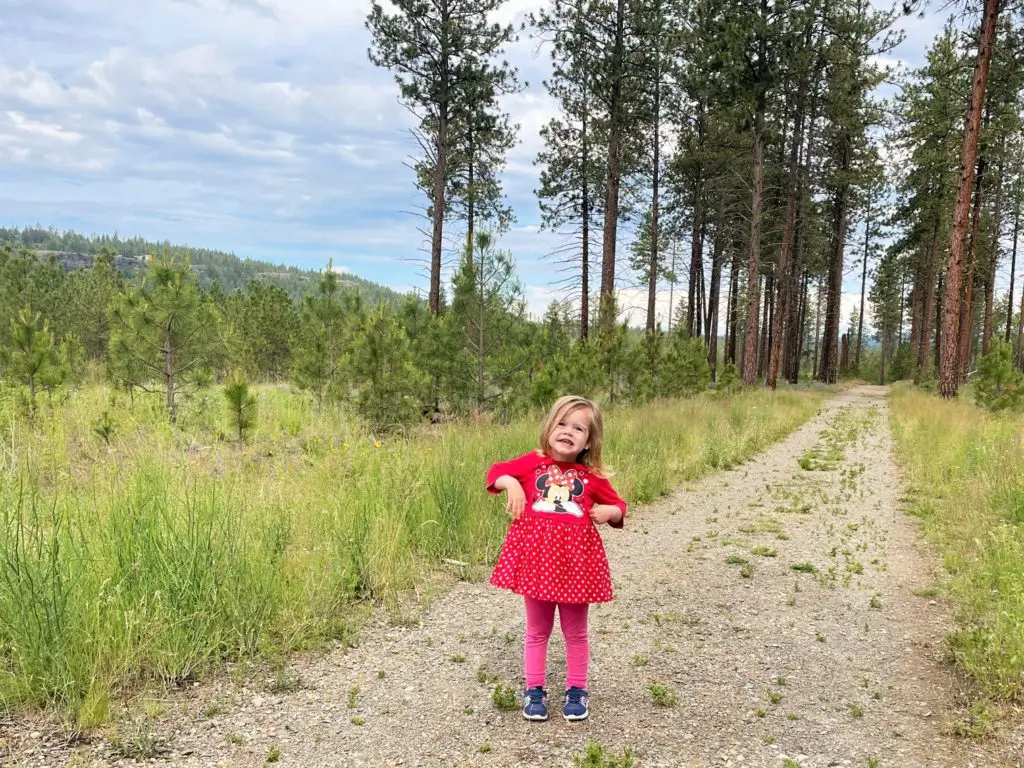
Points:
(553, 551)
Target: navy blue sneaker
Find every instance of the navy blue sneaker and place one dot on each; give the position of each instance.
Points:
(535, 704)
(576, 704)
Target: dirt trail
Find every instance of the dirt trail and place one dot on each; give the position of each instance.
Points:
(842, 665)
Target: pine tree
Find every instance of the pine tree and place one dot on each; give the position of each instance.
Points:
(389, 385)
(241, 404)
(487, 304)
(32, 357)
(444, 57)
(163, 331)
(323, 338)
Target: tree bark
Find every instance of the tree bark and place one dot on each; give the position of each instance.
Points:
(967, 305)
(713, 297)
(993, 263)
(753, 278)
(863, 282)
(1013, 263)
(928, 314)
(948, 379)
(828, 373)
(614, 177)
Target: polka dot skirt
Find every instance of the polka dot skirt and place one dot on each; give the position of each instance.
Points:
(553, 560)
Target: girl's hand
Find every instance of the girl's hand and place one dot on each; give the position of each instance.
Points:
(605, 513)
(516, 501)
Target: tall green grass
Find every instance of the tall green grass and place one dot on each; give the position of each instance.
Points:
(158, 555)
(965, 467)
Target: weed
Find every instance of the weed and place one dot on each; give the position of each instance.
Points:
(484, 677)
(285, 682)
(467, 710)
(273, 755)
(381, 674)
(639, 661)
(358, 720)
(856, 710)
(774, 696)
(353, 697)
(873, 762)
(135, 741)
(788, 763)
(819, 637)
(875, 604)
(762, 551)
(457, 658)
(237, 739)
(663, 697)
(596, 756)
(978, 722)
(761, 712)
(746, 570)
(927, 592)
(804, 567)
(214, 708)
(792, 716)
(736, 560)
(484, 748)
(504, 698)
(768, 739)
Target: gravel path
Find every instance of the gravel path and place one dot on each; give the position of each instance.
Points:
(839, 664)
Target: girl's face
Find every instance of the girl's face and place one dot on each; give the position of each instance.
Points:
(570, 436)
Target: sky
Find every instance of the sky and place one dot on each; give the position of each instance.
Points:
(253, 126)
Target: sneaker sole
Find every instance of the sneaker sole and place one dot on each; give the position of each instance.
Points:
(535, 718)
(575, 718)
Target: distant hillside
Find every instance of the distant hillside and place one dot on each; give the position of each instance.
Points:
(76, 251)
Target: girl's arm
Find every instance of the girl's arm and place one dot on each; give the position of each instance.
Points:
(608, 506)
(516, 501)
(506, 476)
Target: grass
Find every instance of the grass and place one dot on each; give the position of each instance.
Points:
(161, 555)
(504, 698)
(596, 756)
(965, 469)
(663, 696)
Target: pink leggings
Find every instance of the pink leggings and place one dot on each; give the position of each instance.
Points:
(540, 619)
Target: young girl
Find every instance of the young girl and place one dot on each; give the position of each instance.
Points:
(553, 555)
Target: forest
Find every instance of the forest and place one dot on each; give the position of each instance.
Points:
(208, 461)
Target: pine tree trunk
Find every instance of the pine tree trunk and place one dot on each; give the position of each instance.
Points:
(652, 286)
(785, 268)
(993, 264)
(734, 308)
(948, 379)
(585, 205)
(828, 373)
(753, 278)
(929, 312)
(713, 297)
(440, 173)
(1013, 265)
(817, 330)
(696, 257)
(168, 353)
(863, 282)
(764, 346)
(614, 178)
(967, 305)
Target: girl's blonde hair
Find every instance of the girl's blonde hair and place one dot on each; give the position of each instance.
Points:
(591, 455)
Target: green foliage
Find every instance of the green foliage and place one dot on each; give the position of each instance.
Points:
(487, 309)
(241, 404)
(596, 756)
(504, 698)
(999, 385)
(163, 333)
(264, 321)
(32, 358)
(328, 324)
(383, 371)
(686, 370)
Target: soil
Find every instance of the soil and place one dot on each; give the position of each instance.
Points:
(841, 662)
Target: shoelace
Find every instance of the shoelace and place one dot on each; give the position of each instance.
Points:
(574, 696)
(536, 696)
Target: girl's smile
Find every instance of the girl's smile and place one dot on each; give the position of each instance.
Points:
(569, 437)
